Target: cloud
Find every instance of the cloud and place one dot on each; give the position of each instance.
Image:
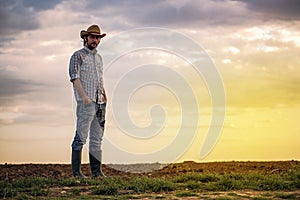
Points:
(264, 78)
(31, 101)
(40, 5)
(194, 14)
(13, 87)
(46, 51)
(20, 15)
(281, 9)
(168, 13)
(189, 14)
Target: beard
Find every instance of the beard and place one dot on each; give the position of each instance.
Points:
(92, 47)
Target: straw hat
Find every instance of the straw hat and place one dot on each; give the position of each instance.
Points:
(92, 30)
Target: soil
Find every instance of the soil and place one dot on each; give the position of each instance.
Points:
(12, 172)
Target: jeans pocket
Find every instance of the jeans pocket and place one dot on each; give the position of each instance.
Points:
(88, 108)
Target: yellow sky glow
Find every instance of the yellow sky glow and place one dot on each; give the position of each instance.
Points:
(255, 51)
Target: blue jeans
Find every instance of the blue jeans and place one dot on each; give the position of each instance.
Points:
(90, 121)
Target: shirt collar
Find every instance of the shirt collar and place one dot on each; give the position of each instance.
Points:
(90, 51)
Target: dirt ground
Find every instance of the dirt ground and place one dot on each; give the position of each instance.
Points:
(11, 172)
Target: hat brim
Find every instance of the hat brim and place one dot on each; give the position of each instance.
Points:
(97, 34)
(85, 33)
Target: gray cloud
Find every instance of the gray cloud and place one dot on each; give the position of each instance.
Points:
(192, 14)
(41, 5)
(125, 14)
(196, 14)
(20, 15)
(187, 14)
(33, 101)
(14, 18)
(281, 9)
(132, 4)
(12, 87)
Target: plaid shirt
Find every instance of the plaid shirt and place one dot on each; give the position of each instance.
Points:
(88, 67)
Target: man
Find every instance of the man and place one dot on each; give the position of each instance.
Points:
(86, 74)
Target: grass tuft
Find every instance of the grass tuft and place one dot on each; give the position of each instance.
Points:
(189, 184)
(185, 194)
(107, 190)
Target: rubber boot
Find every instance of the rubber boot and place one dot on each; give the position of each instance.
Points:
(95, 164)
(76, 163)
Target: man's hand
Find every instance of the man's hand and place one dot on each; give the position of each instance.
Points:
(82, 93)
(87, 100)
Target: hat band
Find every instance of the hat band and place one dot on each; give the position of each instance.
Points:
(94, 33)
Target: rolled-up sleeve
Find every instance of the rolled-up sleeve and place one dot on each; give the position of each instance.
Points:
(74, 65)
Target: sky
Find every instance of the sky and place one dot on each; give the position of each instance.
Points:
(167, 67)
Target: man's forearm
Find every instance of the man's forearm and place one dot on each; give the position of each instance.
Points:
(78, 86)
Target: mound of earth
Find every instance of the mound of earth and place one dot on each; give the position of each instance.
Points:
(11, 172)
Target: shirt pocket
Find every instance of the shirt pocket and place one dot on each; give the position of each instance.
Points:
(86, 69)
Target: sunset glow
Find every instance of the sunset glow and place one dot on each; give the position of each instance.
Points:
(254, 45)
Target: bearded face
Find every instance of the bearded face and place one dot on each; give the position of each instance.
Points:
(92, 41)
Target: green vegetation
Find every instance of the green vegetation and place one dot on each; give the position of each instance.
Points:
(285, 196)
(185, 194)
(190, 184)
